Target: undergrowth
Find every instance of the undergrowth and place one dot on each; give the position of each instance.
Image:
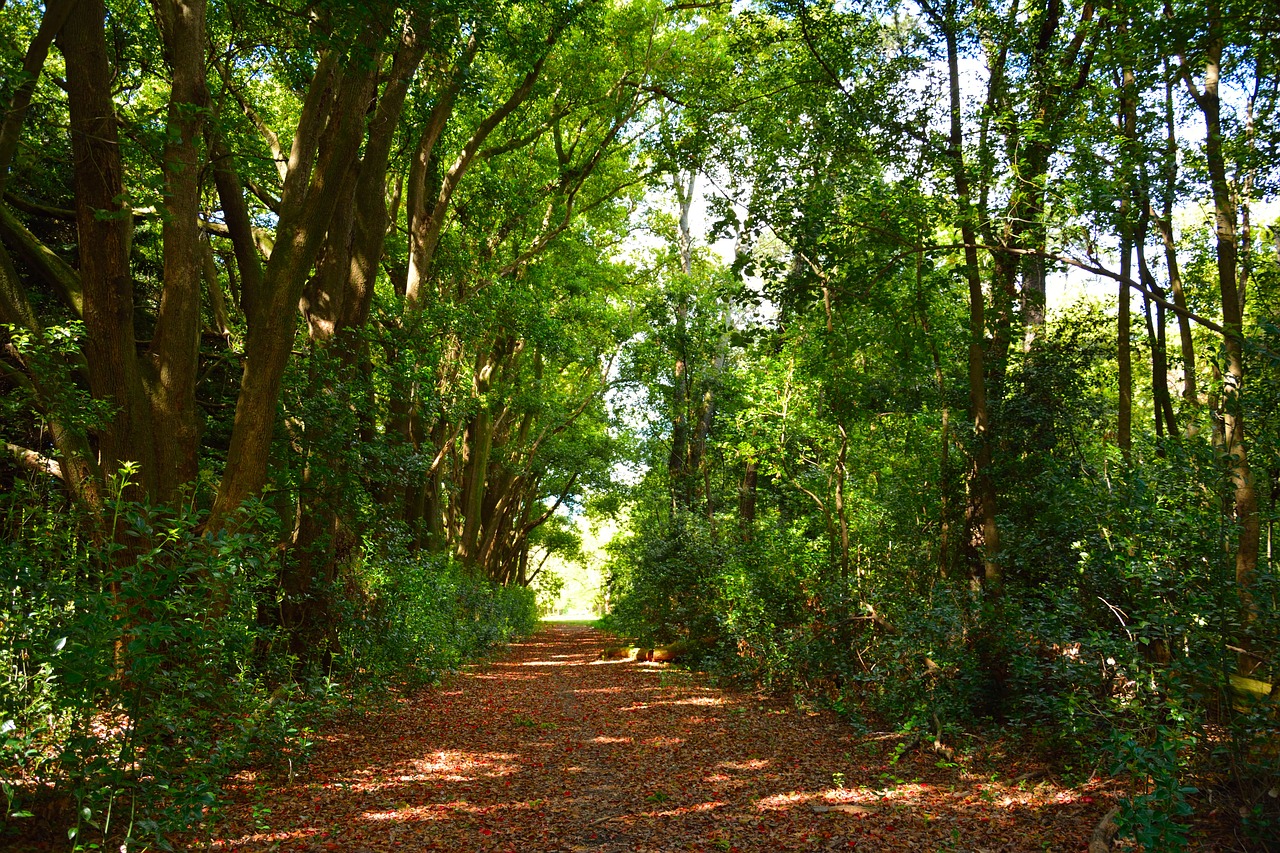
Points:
(136, 675)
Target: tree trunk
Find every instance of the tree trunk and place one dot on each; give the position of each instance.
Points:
(1233, 430)
(747, 500)
(316, 167)
(55, 15)
(1165, 224)
(102, 223)
(1124, 422)
(174, 355)
(982, 522)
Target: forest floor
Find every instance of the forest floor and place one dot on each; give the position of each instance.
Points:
(549, 748)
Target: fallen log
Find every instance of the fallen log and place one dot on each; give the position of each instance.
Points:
(671, 653)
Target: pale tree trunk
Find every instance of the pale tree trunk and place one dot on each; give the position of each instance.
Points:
(841, 516)
(1165, 224)
(1124, 365)
(747, 500)
(678, 458)
(1127, 120)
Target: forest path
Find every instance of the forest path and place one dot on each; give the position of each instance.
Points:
(548, 748)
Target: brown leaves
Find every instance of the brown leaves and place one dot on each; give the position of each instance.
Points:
(551, 748)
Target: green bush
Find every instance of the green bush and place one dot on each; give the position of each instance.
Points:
(421, 614)
(128, 691)
(136, 675)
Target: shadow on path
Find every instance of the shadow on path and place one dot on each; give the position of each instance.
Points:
(549, 748)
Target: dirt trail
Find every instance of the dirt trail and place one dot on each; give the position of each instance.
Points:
(550, 749)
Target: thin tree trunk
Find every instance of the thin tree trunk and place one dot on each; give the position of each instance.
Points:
(1233, 429)
(981, 483)
(55, 15)
(841, 516)
(747, 500)
(1124, 420)
(1165, 224)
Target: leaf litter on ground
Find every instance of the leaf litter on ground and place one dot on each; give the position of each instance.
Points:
(549, 748)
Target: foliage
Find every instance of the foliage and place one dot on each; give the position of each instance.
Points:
(309, 350)
(420, 615)
(130, 694)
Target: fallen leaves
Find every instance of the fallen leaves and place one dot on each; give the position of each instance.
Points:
(551, 749)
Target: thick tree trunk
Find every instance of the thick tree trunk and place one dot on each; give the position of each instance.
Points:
(102, 223)
(316, 168)
(174, 354)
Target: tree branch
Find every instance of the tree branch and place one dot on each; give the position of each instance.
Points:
(33, 461)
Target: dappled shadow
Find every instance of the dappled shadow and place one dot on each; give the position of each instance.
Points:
(630, 757)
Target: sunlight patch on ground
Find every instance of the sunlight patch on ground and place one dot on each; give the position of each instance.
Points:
(684, 810)
(861, 796)
(454, 766)
(263, 838)
(662, 742)
(779, 802)
(746, 764)
(416, 813)
(439, 811)
(547, 663)
(704, 701)
(607, 739)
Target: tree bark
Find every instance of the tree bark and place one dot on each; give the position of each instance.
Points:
(1233, 429)
(324, 150)
(55, 15)
(102, 223)
(174, 354)
(981, 484)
